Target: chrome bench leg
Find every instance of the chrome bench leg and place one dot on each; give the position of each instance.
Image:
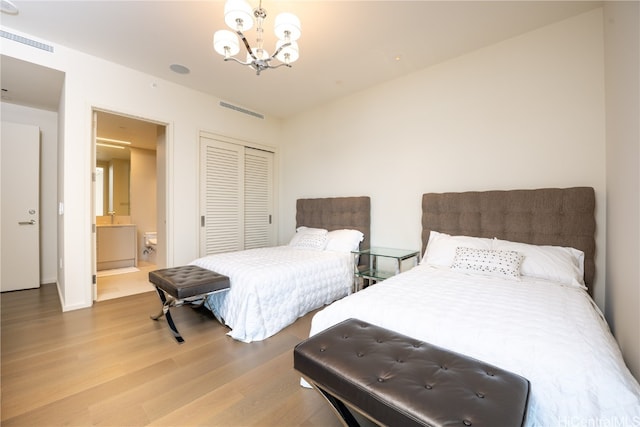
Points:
(166, 303)
(339, 408)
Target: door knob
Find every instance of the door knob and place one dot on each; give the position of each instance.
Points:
(33, 221)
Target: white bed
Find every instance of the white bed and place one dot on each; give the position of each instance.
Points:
(272, 287)
(535, 319)
(549, 333)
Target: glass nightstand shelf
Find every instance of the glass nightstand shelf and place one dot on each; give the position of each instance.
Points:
(374, 274)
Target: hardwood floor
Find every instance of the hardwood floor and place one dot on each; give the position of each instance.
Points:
(111, 365)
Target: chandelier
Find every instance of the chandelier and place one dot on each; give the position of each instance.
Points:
(240, 18)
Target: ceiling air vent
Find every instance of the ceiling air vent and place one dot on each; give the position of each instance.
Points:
(24, 40)
(240, 109)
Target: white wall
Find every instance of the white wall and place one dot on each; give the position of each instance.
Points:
(622, 44)
(525, 113)
(47, 121)
(143, 197)
(91, 82)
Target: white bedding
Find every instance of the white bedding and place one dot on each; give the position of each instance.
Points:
(272, 287)
(551, 334)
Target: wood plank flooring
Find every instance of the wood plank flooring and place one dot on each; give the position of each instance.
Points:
(110, 365)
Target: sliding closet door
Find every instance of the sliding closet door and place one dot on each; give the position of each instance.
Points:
(258, 199)
(236, 197)
(221, 197)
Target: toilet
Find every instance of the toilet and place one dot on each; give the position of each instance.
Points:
(150, 242)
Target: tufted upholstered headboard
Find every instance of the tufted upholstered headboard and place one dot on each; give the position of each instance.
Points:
(336, 213)
(546, 216)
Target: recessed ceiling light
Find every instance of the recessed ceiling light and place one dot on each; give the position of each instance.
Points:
(119, 147)
(8, 7)
(117, 141)
(180, 69)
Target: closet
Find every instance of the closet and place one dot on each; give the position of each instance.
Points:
(236, 196)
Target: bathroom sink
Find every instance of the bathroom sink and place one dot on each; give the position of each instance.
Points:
(101, 221)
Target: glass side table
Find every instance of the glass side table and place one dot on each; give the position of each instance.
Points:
(371, 272)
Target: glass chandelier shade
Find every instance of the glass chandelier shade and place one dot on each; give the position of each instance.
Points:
(287, 27)
(239, 17)
(288, 54)
(226, 43)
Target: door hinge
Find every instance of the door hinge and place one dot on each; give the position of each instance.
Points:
(94, 279)
(269, 219)
(201, 220)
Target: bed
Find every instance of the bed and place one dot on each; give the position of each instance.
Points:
(532, 315)
(272, 287)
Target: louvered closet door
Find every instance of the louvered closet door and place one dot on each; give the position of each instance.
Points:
(236, 197)
(258, 199)
(221, 197)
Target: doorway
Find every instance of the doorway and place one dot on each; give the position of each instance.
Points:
(128, 203)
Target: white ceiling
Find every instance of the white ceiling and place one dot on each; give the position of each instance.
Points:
(346, 46)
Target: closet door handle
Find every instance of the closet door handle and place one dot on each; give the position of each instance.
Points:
(32, 222)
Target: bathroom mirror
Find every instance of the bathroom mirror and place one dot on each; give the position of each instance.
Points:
(125, 164)
(112, 180)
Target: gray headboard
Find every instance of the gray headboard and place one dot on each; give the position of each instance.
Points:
(546, 216)
(336, 213)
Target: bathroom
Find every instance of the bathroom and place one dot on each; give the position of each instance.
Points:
(125, 204)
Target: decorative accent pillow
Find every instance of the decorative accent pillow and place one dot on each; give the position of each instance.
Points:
(309, 238)
(488, 262)
(344, 240)
(441, 248)
(554, 263)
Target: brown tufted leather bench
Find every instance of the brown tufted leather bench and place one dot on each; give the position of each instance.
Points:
(188, 284)
(396, 380)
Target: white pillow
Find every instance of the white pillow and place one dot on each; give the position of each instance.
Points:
(441, 248)
(555, 263)
(488, 262)
(309, 238)
(344, 240)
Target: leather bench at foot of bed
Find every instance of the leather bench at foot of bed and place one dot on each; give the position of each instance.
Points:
(396, 380)
(187, 284)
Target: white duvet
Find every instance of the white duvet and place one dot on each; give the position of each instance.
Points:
(551, 334)
(272, 287)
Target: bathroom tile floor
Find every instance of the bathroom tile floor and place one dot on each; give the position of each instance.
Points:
(126, 284)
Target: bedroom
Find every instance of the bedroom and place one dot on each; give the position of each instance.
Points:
(560, 114)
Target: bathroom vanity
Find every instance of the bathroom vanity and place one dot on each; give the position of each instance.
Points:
(116, 246)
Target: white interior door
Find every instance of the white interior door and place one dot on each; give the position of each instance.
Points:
(20, 209)
(94, 262)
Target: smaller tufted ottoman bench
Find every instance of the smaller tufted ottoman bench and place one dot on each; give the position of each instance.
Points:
(187, 284)
(396, 380)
